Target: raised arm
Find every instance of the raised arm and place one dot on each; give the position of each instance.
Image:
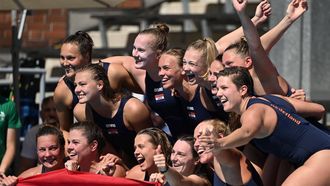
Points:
(294, 11)
(267, 73)
(262, 13)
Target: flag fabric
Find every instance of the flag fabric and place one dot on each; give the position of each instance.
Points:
(74, 178)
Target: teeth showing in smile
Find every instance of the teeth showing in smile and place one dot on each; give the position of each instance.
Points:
(69, 68)
(137, 60)
(80, 96)
(140, 160)
(164, 80)
(190, 75)
(200, 151)
(214, 85)
(223, 101)
(49, 160)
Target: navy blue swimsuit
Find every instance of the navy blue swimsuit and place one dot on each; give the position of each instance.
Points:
(70, 85)
(169, 108)
(289, 108)
(116, 132)
(293, 138)
(197, 112)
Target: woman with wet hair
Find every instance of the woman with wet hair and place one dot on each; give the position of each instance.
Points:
(85, 147)
(76, 51)
(148, 45)
(186, 168)
(198, 102)
(230, 166)
(276, 125)
(119, 116)
(149, 142)
(50, 150)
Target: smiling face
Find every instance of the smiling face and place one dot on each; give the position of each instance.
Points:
(205, 155)
(86, 87)
(170, 71)
(229, 95)
(143, 51)
(71, 58)
(215, 68)
(182, 158)
(144, 152)
(50, 153)
(78, 147)
(194, 66)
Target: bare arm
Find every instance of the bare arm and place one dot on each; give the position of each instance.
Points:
(262, 13)
(63, 105)
(294, 11)
(177, 179)
(136, 115)
(136, 76)
(25, 164)
(251, 126)
(80, 112)
(266, 72)
(120, 78)
(305, 108)
(10, 150)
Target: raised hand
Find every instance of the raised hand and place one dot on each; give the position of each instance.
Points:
(239, 5)
(296, 8)
(71, 165)
(298, 94)
(206, 139)
(106, 165)
(157, 177)
(263, 11)
(160, 160)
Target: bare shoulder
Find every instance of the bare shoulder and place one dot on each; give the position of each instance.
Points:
(79, 112)
(134, 105)
(135, 173)
(31, 172)
(254, 111)
(198, 180)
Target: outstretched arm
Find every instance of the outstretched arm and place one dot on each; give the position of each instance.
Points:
(294, 11)
(251, 125)
(262, 13)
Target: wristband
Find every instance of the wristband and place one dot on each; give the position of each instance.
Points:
(163, 169)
